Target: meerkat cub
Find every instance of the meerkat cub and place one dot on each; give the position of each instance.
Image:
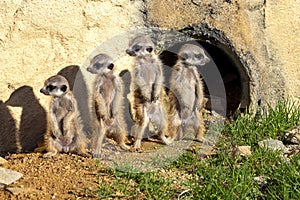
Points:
(64, 125)
(146, 89)
(108, 102)
(186, 93)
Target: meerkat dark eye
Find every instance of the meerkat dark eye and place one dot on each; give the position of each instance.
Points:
(199, 56)
(50, 87)
(149, 49)
(111, 66)
(97, 65)
(184, 56)
(136, 48)
(63, 88)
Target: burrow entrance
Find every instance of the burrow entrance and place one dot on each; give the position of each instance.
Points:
(230, 71)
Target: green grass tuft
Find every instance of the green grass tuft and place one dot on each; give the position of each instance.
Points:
(221, 176)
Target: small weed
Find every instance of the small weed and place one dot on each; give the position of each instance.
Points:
(249, 128)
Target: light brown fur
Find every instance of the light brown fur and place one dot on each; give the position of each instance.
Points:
(108, 102)
(146, 87)
(186, 93)
(64, 131)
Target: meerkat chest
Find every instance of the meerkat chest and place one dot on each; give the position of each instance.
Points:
(147, 70)
(61, 107)
(188, 79)
(185, 86)
(107, 88)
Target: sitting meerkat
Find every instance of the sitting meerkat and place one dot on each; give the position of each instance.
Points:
(64, 131)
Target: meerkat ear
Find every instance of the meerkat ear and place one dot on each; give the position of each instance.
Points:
(149, 49)
(64, 88)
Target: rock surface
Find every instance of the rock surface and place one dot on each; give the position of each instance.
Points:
(261, 28)
(244, 150)
(8, 176)
(273, 145)
(38, 40)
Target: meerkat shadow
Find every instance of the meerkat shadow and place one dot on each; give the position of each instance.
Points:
(126, 78)
(33, 121)
(8, 131)
(79, 88)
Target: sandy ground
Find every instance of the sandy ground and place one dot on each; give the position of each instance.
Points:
(69, 176)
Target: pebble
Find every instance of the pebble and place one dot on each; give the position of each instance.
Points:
(273, 145)
(18, 190)
(9, 176)
(244, 150)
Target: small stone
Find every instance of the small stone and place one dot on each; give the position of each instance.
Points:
(8, 176)
(18, 190)
(273, 145)
(2, 161)
(244, 150)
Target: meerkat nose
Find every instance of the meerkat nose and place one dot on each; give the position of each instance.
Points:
(45, 92)
(131, 53)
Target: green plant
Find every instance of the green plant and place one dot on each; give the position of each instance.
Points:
(221, 176)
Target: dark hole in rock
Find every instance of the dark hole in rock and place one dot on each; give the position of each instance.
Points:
(233, 75)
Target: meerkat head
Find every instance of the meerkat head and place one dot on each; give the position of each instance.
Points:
(55, 86)
(192, 55)
(140, 46)
(100, 64)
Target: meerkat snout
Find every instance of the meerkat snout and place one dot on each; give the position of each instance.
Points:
(45, 92)
(129, 52)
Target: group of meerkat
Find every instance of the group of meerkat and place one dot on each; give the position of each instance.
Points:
(148, 108)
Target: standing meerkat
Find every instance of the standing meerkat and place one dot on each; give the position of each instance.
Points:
(64, 132)
(146, 89)
(186, 93)
(108, 102)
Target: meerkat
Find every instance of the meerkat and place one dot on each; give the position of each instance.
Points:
(146, 90)
(108, 102)
(64, 132)
(186, 93)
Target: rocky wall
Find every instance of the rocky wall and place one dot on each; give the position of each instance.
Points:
(39, 39)
(263, 34)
